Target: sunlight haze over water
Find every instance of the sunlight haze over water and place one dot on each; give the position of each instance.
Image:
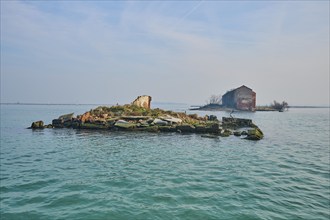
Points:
(175, 51)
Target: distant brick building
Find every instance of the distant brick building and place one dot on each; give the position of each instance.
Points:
(242, 98)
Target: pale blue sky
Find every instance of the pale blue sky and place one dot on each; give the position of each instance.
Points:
(175, 51)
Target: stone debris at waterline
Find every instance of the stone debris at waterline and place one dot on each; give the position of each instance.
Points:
(138, 116)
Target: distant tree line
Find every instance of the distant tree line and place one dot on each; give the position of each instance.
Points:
(215, 100)
(279, 106)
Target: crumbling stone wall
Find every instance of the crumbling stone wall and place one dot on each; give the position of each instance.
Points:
(143, 101)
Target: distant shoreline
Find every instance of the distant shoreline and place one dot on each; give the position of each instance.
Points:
(309, 106)
(260, 109)
(9, 103)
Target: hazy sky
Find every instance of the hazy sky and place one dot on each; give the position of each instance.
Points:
(175, 51)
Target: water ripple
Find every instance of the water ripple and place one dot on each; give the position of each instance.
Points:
(72, 174)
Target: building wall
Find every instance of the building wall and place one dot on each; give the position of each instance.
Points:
(228, 100)
(245, 99)
(242, 98)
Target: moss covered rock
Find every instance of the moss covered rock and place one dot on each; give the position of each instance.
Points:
(132, 117)
(185, 128)
(37, 125)
(254, 134)
(93, 126)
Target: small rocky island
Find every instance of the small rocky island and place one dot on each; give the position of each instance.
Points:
(138, 116)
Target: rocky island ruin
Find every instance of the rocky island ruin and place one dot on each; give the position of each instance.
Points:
(138, 116)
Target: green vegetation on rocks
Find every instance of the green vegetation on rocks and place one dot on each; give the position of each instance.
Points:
(135, 118)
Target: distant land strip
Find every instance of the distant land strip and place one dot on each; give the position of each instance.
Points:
(293, 106)
(307, 106)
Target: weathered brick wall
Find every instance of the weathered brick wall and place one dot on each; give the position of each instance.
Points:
(242, 98)
(245, 99)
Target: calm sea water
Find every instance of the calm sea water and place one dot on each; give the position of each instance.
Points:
(75, 174)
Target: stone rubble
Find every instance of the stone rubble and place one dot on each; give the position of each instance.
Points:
(138, 116)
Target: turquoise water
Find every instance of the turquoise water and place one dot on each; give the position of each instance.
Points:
(72, 174)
